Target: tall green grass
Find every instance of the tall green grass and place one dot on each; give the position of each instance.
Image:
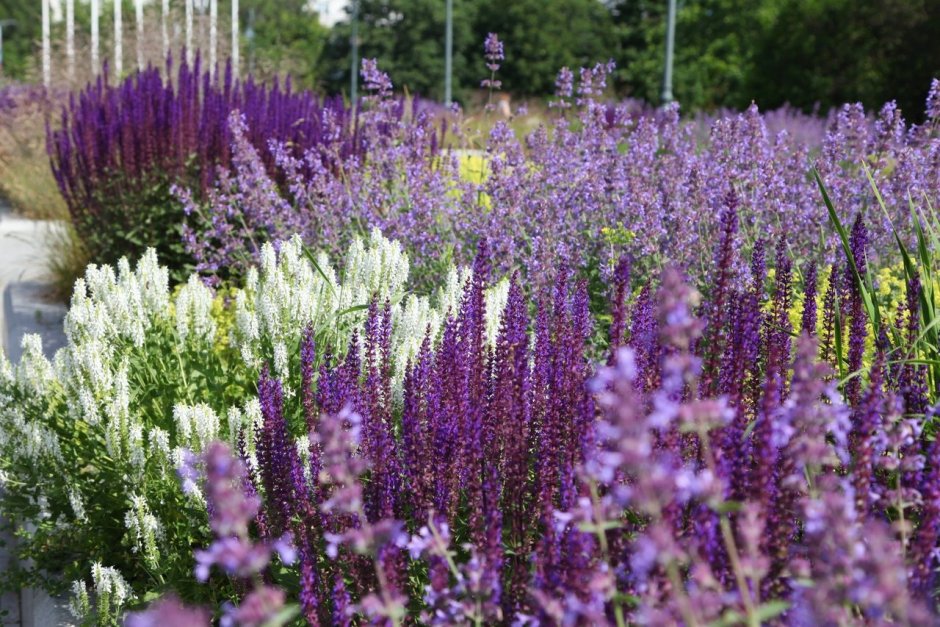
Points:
(920, 263)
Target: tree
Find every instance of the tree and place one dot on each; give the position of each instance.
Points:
(289, 38)
(834, 51)
(541, 37)
(20, 41)
(407, 38)
(712, 55)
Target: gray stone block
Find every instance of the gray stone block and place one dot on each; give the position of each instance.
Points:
(27, 309)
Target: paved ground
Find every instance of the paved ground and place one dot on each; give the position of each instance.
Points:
(25, 309)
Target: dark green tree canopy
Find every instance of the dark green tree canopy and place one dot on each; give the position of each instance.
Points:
(808, 53)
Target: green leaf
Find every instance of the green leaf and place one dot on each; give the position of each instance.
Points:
(771, 609)
(283, 617)
(869, 297)
(728, 507)
(309, 255)
(349, 310)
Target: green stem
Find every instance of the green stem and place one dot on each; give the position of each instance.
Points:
(605, 550)
(727, 536)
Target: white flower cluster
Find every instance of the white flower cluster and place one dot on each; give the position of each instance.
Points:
(78, 505)
(293, 290)
(79, 603)
(6, 370)
(376, 267)
(29, 441)
(144, 530)
(280, 301)
(196, 426)
(106, 305)
(243, 424)
(34, 371)
(111, 594)
(110, 314)
(496, 298)
(194, 312)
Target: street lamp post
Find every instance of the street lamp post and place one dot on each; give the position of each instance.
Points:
(670, 44)
(448, 49)
(118, 41)
(354, 44)
(235, 43)
(139, 19)
(95, 36)
(70, 37)
(213, 34)
(46, 46)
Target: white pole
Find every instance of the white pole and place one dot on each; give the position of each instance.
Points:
(118, 40)
(95, 14)
(139, 6)
(189, 31)
(164, 25)
(235, 42)
(448, 50)
(670, 47)
(213, 33)
(46, 46)
(70, 37)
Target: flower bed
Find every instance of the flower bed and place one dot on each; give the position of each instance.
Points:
(617, 412)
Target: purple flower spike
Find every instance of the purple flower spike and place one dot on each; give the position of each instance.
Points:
(259, 607)
(169, 611)
(494, 51)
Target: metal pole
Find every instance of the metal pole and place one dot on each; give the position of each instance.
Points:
(118, 40)
(213, 33)
(95, 16)
(354, 40)
(670, 45)
(250, 40)
(139, 14)
(189, 31)
(235, 46)
(70, 37)
(448, 49)
(164, 27)
(46, 46)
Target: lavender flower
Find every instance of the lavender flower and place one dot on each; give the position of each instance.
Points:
(169, 611)
(494, 51)
(256, 610)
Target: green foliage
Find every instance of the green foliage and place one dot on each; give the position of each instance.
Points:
(833, 51)
(918, 264)
(407, 38)
(138, 214)
(289, 39)
(711, 50)
(19, 40)
(541, 37)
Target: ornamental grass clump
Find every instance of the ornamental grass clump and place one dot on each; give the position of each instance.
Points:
(26, 181)
(690, 480)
